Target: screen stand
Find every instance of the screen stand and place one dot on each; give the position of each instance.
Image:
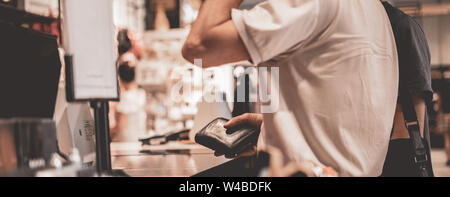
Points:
(102, 137)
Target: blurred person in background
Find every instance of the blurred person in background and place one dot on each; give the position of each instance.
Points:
(128, 117)
(442, 124)
(439, 113)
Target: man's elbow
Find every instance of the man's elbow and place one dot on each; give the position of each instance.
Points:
(193, 50)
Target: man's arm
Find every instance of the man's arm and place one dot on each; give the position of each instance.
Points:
(213, 37)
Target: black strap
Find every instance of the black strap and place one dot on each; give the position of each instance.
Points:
(412, 124)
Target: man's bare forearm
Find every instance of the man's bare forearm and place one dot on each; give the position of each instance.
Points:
(212, 14)
(214, 38)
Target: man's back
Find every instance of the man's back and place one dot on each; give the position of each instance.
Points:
(338, 79)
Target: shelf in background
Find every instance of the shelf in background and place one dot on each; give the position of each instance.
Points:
(11, 14)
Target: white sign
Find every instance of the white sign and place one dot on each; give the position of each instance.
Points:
(89, 36)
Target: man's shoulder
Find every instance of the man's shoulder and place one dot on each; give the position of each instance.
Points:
(399, 19)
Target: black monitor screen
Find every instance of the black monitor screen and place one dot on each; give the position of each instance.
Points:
(29, 72)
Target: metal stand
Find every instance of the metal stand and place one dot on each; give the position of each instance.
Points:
(102, 137)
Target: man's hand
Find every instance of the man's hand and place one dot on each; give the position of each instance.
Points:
(254, 120)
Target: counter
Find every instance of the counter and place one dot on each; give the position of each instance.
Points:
(171, 160)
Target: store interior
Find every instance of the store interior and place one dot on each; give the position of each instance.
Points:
(153, 124)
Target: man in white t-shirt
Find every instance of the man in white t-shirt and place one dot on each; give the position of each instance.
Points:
(338, 75)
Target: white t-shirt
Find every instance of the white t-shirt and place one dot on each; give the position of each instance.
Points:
(338, 79)
(132, 105)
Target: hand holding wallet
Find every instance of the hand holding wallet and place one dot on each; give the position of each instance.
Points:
(228, 141)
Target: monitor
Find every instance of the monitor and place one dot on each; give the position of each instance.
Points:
(29, 73)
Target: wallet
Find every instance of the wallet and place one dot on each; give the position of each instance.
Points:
(228, 141)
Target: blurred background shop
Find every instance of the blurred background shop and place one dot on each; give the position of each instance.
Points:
(151, 132)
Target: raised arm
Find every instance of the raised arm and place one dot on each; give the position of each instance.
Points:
(213, 37)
